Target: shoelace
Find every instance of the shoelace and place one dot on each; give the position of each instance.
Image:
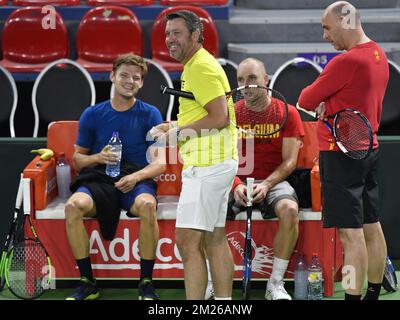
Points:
(149, 289)
(281, 286)
(80, 290)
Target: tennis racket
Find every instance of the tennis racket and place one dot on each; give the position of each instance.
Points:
(352, 132)
(247, 255)
(10, 236)
(258, 115)
(389, 282)
(28, 266)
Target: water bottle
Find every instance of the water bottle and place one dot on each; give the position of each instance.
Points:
(63, 172)
(115, 144)
(301, 279)
(315, 281)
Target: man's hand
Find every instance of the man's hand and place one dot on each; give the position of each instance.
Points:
(159, 130)
(127, 183)
(106, 156)
(320, 111)
(240, 195)
(260, 192)
(169, 138)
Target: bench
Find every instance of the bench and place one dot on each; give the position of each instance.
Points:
(119, 258)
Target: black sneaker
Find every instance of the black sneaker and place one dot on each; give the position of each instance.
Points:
(147, 290)
(87, 290)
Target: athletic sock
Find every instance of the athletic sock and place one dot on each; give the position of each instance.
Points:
(85, 268)
(373, 291)
(278, 269)
(352, 296)
(146, 269)
(209, 277)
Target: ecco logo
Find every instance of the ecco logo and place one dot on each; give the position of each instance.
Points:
(166, 177)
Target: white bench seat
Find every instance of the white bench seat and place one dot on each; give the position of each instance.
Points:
(166, 211)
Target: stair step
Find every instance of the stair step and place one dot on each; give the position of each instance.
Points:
(264, 26)
(250, 16)
(252, 48)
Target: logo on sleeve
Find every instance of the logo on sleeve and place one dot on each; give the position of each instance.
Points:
(376, 54)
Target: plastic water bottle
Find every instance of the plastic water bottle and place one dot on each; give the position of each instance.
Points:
(301, 279)
(315, 280)
(113, 170)
(63, 171)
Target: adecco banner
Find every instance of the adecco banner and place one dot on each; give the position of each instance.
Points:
(120, 257)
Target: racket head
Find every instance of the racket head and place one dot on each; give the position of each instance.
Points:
(26, 269)
(11, 236)
(389, 282)
(259, 115)
(353, 133)
(247, 254)
(36, 239)
(246, 273)
(2, 270)
(246, 288)
(7, 245)
(247, 261)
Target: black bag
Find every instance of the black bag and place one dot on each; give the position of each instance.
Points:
(300, 181)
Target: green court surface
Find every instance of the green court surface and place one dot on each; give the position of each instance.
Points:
(179, 294)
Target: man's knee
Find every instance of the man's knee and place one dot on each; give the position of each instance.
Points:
(351, 237)
(77, 208)
(145, 208)
(215, 238)
(287, 212)
(373, 232)
(188, 242)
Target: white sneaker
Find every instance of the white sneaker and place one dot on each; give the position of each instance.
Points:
(276, 291)
(209, 295)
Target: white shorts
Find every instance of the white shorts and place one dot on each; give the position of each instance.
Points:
(204, 197)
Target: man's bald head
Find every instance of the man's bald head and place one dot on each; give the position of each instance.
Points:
(252, 71)
(258, 63)
(344, 11)
(342, 26)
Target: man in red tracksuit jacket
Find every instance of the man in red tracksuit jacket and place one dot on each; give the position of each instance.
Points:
(354, 79)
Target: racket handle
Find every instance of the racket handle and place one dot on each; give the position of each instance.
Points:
(18, 201)
(250, 188)
(310, 113)
(178, 93)
(27, 195)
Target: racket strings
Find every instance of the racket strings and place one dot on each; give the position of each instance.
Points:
(256, 113)
(354, 134)
(27, 269)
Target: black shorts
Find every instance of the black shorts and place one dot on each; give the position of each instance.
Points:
(350, 190)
